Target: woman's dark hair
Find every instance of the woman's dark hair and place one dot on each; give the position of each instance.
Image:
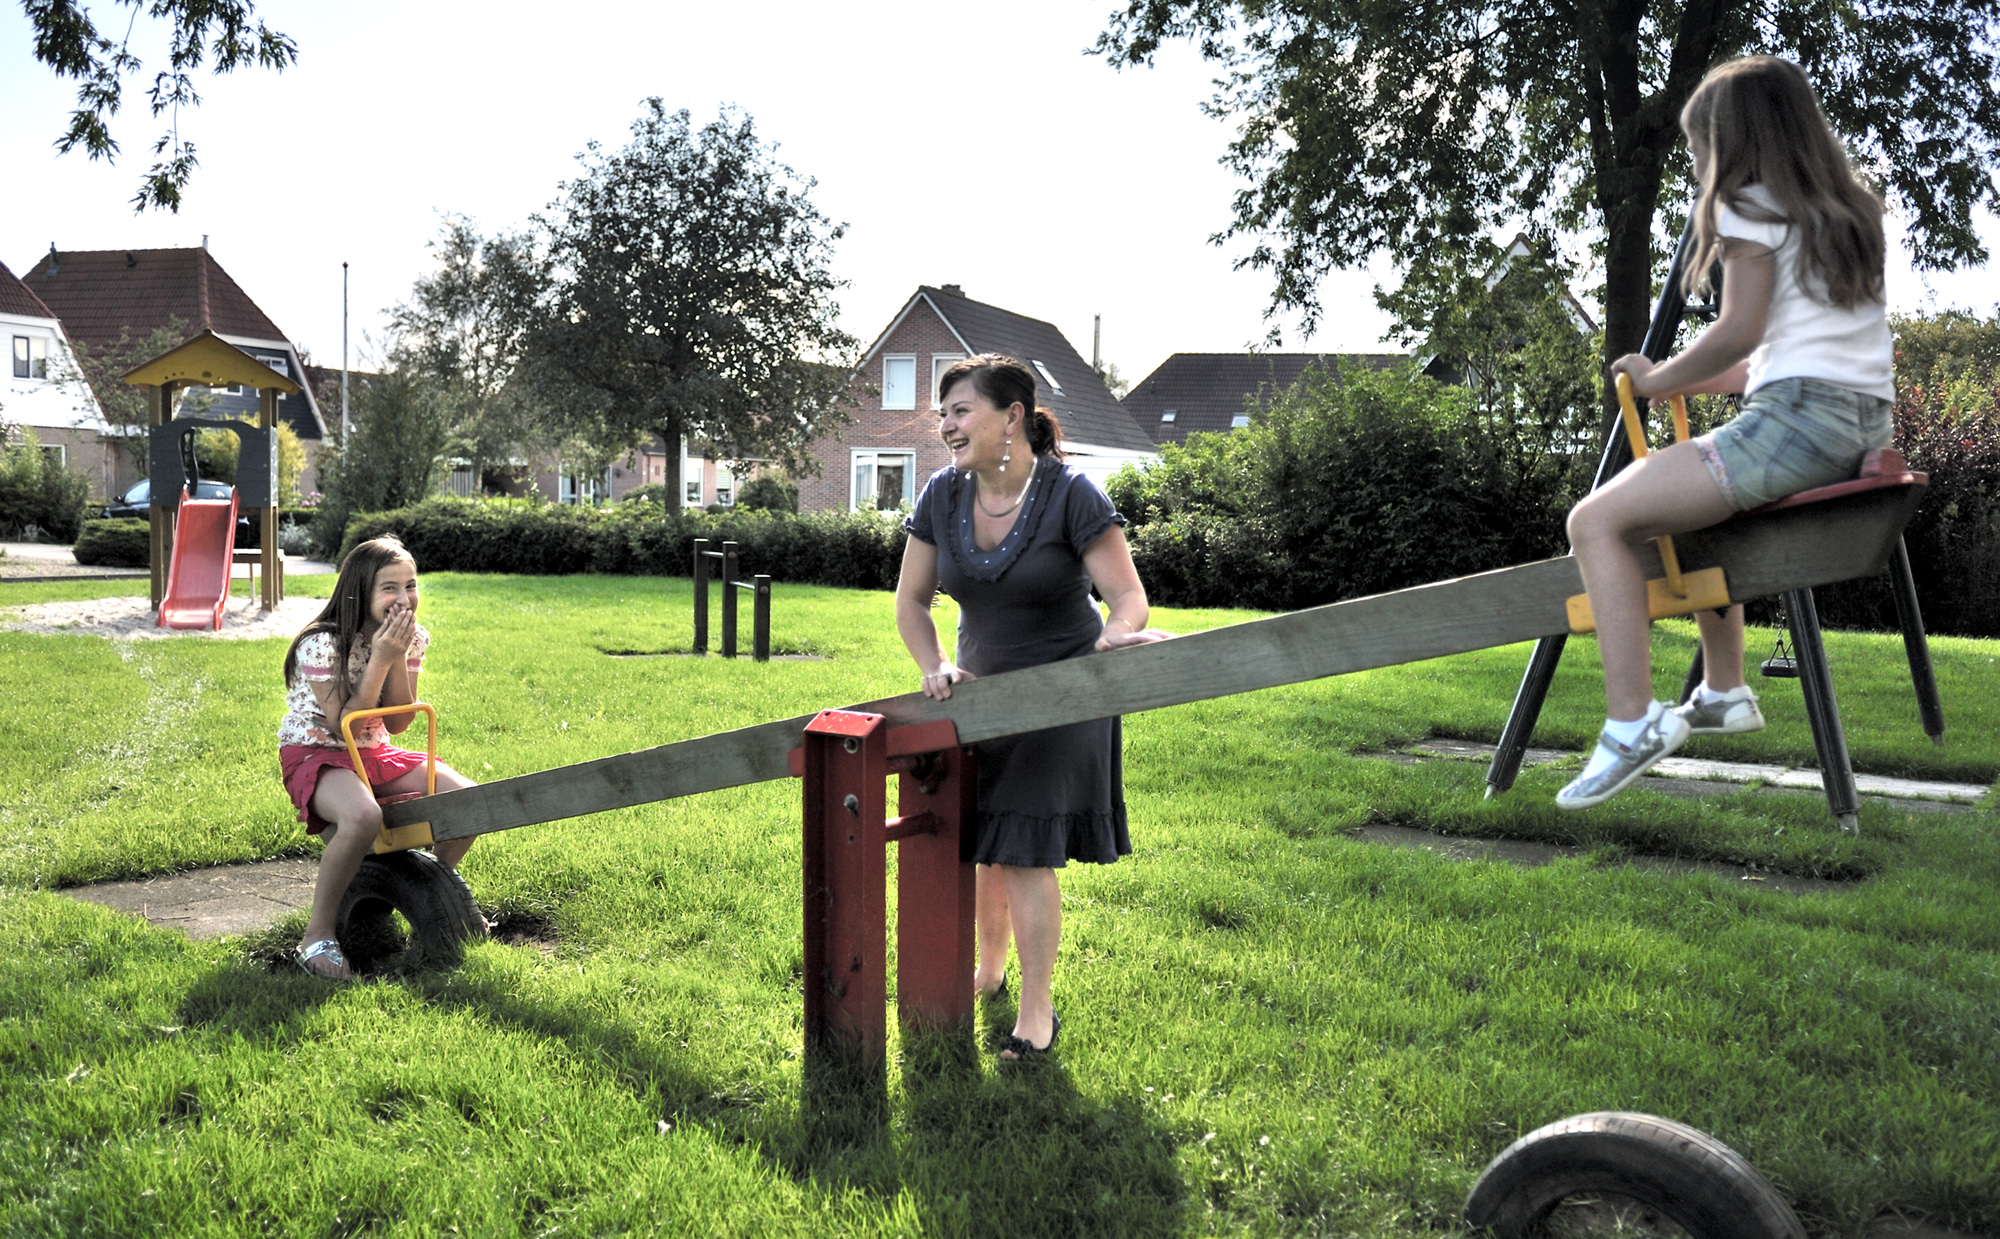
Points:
(347, 610)
(1004, 381)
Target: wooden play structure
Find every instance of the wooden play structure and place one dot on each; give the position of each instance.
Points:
(193, 553)
(844, 756)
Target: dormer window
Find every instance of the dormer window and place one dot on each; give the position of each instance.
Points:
(1048, 378)
(31, 357)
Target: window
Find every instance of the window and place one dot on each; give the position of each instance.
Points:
(884, 480)
(1239, 421)
(899, 382)
(692, 487)
(1167, 415)
(31, 357)
(1048, 378)
(584, 489)
(941, 362)
(725, 485)
(54, 455)
(276, 363)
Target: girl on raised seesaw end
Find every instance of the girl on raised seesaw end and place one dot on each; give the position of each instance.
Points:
(363, 650)
(1803, 333)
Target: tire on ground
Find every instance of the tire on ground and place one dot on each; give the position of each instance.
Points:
(1670, 1167)
(434, 899)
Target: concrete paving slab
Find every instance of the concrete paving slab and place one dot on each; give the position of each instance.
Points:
(1733, 772)
(209, 903)
(1467, 750)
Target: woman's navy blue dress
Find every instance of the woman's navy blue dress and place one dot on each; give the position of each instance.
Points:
(1046, 797)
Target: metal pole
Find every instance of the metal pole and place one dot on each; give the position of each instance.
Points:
(701, 596)
(760, 619)
(1836, 774)
(729, 600)
(343, 356)
(1903, 583)
(1542, 663)
(1096, 334)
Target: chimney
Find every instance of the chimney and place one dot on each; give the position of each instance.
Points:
(55, 261)
(204, 240)
(953, 289)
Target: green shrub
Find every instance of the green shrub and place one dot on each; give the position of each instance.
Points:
(37, 496)
(122, 543)
(1347, 485)
(859, 550)
(770, 493)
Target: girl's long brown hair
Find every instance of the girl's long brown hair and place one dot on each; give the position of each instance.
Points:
(1762, 125)
(347, 610)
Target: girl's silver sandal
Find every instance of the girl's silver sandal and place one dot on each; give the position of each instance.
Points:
(327, 947)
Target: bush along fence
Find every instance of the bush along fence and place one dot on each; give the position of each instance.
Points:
(857, 550)
(760, 609)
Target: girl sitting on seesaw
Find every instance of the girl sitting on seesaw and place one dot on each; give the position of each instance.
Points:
(1803, 333)
(364, 650)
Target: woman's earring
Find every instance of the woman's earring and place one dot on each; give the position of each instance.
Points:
(1008, 455)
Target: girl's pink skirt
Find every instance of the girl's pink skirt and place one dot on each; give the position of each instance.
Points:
(303, 763)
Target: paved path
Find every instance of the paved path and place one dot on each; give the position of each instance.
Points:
(1675, 774)
(208, 903)
(40, 561)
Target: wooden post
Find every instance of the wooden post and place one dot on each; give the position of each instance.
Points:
(159, 410)
(937, 798)
(267, 520)
(729, 600)
(846, 875)
(701, 595)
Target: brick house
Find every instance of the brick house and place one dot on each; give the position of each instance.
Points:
(1215, 391)
(44, 391)
(102, 294)
(883, 456)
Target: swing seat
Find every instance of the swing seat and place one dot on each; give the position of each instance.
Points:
(1880, 468)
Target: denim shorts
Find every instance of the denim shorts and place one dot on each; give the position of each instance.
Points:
(1793, 435)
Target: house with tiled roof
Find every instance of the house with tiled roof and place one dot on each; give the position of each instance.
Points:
(883, 456)
(103, 296)
(44, 391)
(1217, 392)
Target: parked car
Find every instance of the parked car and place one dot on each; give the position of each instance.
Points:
(137, 502)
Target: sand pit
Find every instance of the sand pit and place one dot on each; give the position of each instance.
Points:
(131, 617)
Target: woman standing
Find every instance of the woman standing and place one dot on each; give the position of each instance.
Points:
(1020, 540)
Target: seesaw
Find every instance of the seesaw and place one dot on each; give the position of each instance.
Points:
(844, 755)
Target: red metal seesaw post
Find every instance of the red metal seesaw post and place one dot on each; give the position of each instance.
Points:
(846, 760)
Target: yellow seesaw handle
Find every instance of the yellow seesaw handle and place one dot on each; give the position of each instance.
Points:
(1635, 430)
(416, 834)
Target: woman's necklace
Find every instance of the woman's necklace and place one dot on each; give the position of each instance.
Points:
(1010, 507)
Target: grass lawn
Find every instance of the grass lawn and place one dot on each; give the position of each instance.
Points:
(1269, 1028)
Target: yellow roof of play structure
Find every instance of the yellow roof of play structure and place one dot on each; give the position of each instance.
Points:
(210, 361)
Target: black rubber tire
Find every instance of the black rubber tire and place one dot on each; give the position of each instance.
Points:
(1669, 1167)
(435, 901)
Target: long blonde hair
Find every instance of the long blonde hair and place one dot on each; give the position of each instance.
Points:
(1762, 125)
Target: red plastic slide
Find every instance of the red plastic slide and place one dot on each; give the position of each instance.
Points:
(198, 576)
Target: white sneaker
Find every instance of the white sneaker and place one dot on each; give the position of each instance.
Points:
(1733, 713)
(1664, 732)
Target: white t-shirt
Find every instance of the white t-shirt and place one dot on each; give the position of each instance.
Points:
(303, 722)
(1805, 338)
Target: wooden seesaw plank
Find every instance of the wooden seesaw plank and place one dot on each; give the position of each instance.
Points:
(1762, 555)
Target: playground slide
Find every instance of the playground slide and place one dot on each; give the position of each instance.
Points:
(198, 575)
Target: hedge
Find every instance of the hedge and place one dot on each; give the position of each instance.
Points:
(122, 543)
(861, 550)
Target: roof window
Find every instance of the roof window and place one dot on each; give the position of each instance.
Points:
(1048, 378)
(1167, 415)
(1239, 421)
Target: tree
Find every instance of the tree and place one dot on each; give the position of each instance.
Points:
(688, 294)
(463, 326)
(390, 460)
(69, 42)
(104, 367)
(1401, 128)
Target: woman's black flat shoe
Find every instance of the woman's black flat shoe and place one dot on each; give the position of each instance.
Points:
(1026, 1051)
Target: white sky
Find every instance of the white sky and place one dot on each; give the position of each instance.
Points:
(1076, 190)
